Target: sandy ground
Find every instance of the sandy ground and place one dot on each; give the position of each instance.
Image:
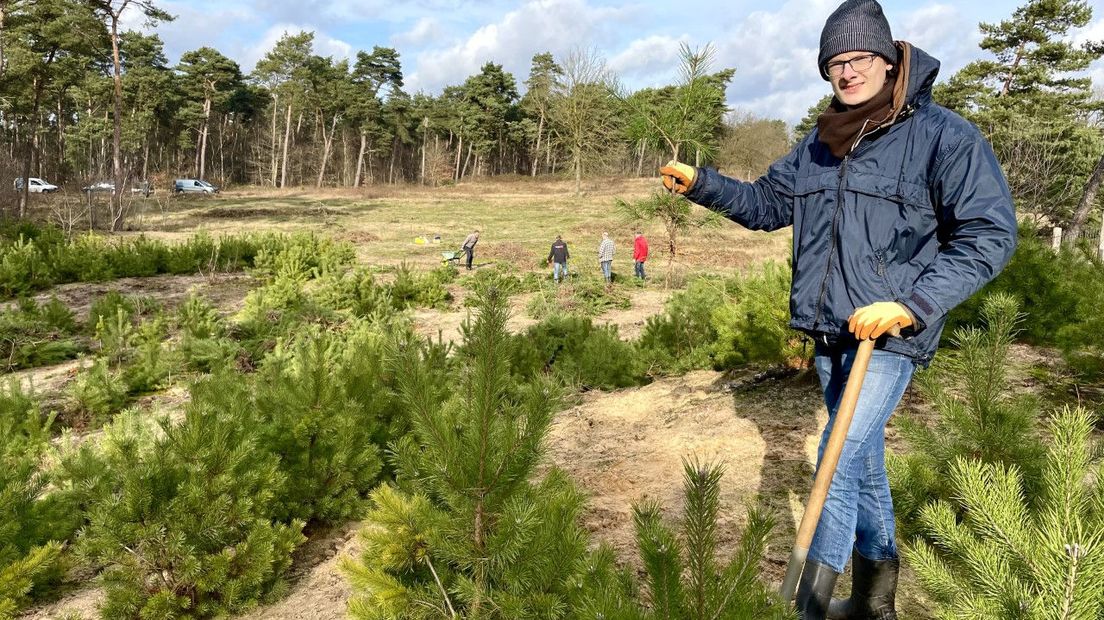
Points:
(318, 588)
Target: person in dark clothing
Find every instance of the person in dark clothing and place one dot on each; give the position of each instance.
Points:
(900, 212)
(558, 256)
(469, 247)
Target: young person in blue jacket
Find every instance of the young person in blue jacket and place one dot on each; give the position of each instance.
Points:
(900, 212)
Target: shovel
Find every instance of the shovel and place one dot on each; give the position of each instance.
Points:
(827, 468)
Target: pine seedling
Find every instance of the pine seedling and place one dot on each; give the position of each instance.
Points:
(185, 529)
(677, 215)
(466, 532)
(321, 434)
(978, 417)
(29, 521)
(684, 578)
(995, 552)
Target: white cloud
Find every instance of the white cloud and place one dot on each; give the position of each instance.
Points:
(943, 32)
(790, 105)
(339, 13)
(930, 26)
(199, 24)
(1092, 32)
(426, 30)
(774, 54)
(555, 26)
(652, 59)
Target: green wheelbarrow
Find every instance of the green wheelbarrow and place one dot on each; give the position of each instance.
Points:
(452, 258)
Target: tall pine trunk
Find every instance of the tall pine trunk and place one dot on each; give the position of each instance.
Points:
(327, 144)
(275, 140)
(201, 170)
(536, 149)
(287, 139)
(360, 158)
(117, 137)
(425, 131)
(459, 152)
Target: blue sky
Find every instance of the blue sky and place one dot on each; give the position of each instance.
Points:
(772, 45)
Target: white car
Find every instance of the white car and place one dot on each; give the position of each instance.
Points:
(102, 186)
(37, 186)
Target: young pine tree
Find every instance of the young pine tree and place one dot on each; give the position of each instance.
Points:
(466, 531)
(321, 430)
(997, 553)
(30, 523)
(978, 418)
(184, 528)
(753, 326)
(684, 579)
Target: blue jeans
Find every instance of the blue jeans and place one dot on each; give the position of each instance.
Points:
(559, 270)
(859, 510)
(640, 269)
(607, 269)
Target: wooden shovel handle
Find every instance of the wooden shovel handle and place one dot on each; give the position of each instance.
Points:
(827, 467)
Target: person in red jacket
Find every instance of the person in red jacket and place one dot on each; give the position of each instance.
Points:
(640, 253)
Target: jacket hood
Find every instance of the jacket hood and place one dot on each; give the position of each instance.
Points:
(923, 69)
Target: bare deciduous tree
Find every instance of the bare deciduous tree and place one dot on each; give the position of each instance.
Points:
(584, 111)
(113, 10)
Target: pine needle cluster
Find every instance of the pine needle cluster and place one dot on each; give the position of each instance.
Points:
(684, 578)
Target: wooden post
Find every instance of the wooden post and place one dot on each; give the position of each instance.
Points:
(1100, 243)
(1056, 239)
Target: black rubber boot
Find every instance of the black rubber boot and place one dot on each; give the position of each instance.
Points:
(873, 590)
(814, 591)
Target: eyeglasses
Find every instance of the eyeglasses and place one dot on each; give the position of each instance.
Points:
(858, 64)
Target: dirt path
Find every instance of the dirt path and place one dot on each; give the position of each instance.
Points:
(319, 591)
(625, 446)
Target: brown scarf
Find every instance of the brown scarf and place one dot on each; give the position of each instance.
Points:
(840, 127)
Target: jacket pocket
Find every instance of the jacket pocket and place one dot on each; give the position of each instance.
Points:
(881, 269)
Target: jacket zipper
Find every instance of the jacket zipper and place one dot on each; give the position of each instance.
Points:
(907, 111)
(832, 243)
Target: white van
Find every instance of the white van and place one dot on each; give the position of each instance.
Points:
(37, 186)
(183, 186)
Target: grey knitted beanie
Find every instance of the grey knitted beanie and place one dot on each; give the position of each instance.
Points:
(857, 25)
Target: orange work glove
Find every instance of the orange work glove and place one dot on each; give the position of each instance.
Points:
(680, 176)
(876, 319)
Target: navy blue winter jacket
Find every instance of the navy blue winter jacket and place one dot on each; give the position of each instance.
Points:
(919, 213)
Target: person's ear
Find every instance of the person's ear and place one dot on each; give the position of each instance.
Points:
(889, 67)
